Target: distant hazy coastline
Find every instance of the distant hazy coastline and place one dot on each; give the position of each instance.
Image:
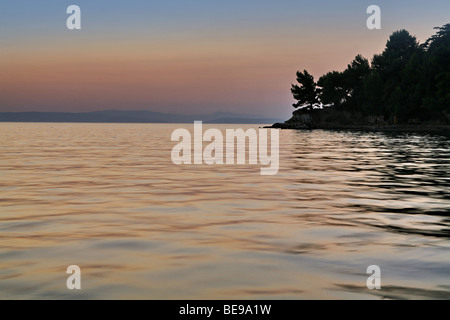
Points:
(117, 116)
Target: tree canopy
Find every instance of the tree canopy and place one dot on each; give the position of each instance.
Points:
(306, 93)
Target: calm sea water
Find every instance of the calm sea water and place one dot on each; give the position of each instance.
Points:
(107, 198)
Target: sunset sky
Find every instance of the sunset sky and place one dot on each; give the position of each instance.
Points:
(187, 56)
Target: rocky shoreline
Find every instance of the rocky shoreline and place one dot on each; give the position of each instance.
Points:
(321, 119)
(388, 128)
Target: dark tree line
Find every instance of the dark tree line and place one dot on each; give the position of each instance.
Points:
(406, 81)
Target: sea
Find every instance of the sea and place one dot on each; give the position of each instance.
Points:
(109, 199)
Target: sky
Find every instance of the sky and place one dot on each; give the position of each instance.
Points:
(191, 56)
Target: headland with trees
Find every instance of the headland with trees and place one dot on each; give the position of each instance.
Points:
(406, 86)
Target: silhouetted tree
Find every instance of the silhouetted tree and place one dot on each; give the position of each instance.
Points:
(441, 38)
(391, 63)
(306, 93)
(373, 93)
(354, 77)
(437, 64)
(332, 89)
(413, 89)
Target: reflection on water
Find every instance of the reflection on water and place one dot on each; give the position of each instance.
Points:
(108, 198)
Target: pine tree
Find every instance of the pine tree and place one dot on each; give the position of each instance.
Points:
(306, 93)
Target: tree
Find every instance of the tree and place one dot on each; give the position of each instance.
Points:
(392, 65)
(306, 93)
(413, 89)
(354, 77)
(441, 38)
(399, 49)
(373, 92)
(332, 89)
(346, 88)
(437, 65)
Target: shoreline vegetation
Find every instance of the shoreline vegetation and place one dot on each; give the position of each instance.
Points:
(405, 88)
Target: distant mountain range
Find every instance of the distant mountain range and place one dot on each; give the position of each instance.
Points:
(116, 116)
